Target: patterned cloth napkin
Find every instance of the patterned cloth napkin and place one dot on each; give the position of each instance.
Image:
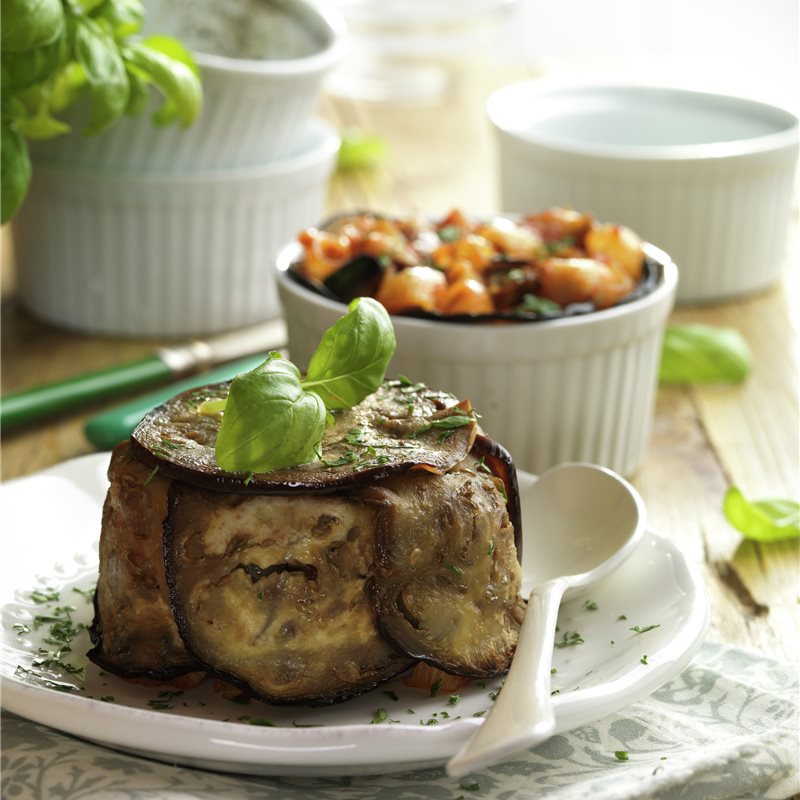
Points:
(727, 727)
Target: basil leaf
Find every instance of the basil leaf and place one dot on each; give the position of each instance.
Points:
(762, 520)
(20, 71)
(139, 96)
(360, 150)
(539, 305)
(125, 17)
(26, 24)
(98, 54)
(42, 124)
(270, 421)
(15, 167)
(703, 354)
(175, 80)
(172, 48)
(352, 357)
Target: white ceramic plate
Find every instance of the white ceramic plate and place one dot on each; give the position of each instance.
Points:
(53, 519)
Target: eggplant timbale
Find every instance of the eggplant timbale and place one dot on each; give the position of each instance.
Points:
(317, 582)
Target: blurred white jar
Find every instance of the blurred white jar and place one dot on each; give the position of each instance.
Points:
(414, 51)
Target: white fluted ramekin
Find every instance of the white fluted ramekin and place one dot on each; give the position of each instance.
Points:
(165, 254)
(254, 111)
(707, 177)
(581, 388)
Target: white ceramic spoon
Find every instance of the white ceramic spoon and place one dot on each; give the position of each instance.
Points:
(580, 522)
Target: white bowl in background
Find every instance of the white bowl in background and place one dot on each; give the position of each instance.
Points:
(707, 177)
(254, 111)
(162, 255)
(580, 388)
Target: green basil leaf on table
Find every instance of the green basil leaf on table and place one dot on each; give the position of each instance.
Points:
(352, 357)
(703, 354)
(270, 421)
(360, 150)
(27, 25)
(98, 54)
(762, 520)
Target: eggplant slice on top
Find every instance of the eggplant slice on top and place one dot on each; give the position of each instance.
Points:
(318, 582)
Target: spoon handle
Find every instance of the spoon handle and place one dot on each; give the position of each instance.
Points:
(522, 715)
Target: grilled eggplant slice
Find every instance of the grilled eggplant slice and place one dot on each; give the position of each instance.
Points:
(269, 592)
(134, 633)
(447, 579)
(395, 429)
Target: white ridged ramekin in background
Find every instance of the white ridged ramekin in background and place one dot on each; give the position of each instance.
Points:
(576, 389)
(707, 177)
(254, 111)
(161, 255)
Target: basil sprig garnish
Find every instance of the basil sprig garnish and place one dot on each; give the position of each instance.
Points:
(273, 418)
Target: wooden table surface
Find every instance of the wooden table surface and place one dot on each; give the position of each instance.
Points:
(704, 440)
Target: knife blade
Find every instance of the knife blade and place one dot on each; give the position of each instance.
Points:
(165, 363)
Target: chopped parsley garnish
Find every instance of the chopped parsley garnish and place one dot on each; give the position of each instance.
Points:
(348, 458)
(491, 547)
(264, 723)
(447, 425)
(62, 632)
(355, 436)
(456, 570)
(45, 596)
(470, 787)
(435, 687)
(381, 715)
(621, 618)
(559, 244)
(453, 700)
(590, 605)
(449, 233)
(533, 304)
(482, 466)
(555, 691)
(643, 659)
(569, 639)
(640, 629)
(621, 755)
(479, 713)
(553, 671)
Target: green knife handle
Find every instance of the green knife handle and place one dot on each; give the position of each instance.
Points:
(110, 427)
(32, 404)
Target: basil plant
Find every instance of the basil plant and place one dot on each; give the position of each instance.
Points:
(54, 51)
